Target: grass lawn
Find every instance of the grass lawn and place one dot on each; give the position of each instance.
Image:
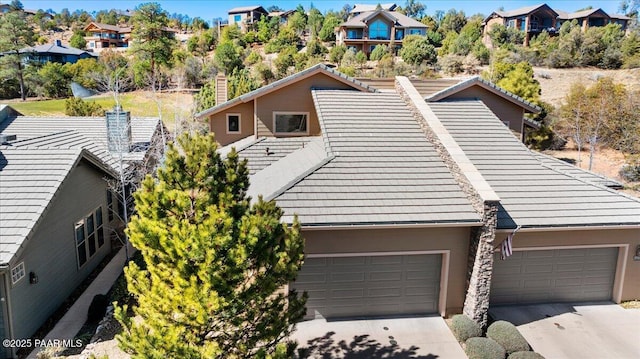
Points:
(140, 103)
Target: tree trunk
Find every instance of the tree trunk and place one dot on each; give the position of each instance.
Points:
(592, 150)
(23, 92)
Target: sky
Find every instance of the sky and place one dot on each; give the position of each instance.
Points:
(210, 9)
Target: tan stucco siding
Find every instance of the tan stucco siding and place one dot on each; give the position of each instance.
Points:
(506, 110)
(294, 98)
(453, 240)
(628, 270)
(218, 123)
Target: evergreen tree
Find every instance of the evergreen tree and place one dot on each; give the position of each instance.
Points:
(77, 40)
(152, 42)
(417, 49)
(215, 263)
(15, 34)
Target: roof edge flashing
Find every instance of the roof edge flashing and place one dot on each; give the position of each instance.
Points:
(452, 153)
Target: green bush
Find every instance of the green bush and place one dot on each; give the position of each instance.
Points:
(483, 348)
(78, 107)
(464, 328)
(525, 355)
(507, 335)
(378, 52)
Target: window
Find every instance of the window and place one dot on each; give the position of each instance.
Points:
(17, 273)
(379, 30)
(233, 123)
(89, 236)
(415, 32)
(400, 34)
(237, 18)
(110, 209)
(511, 23)
(354, 34)
(290, 122)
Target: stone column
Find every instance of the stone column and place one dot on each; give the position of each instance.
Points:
(480, 265)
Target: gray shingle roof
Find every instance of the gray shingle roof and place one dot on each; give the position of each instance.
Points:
(532, 194)
(284, 82)
(258, 156)
(358, 8)
(54, 48)
(236, 10)
(29, 178)
(521, 11)
(400, 20)
(562, 166)
(384, 171)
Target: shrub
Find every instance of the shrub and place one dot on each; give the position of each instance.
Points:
(507, 335)
(378, 52)
(253, 58)
(483, 348)
(464, 328)
(630, 172)
(78, 107)
(525, 355)
(451, 64)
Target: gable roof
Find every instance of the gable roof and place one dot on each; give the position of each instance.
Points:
(56, 48)
(524, 10)
(580, 14)
(532, 193)
(31, 178)
(242, 9)
(358, 8)
(320, 68)
(487, 85)
(102, 26)
(399, 20)
(373, 165)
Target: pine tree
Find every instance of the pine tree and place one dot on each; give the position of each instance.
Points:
(215, 263)
(15, 34)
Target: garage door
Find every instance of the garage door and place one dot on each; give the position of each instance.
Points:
(559, 275)
(370, 285)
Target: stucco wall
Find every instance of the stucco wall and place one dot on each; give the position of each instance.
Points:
(218, 123)
(630, 281)
(504, 109)
(51, 252)
(456, 240)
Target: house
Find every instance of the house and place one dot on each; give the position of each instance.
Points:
(244, 17)
(58, 216)
(532, 20)
(404, 202)
(593, 18)
(360, 8)
(104, 36)
(368, 29)
(55, 52)
(283, 15)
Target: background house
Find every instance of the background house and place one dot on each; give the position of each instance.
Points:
(104, 36)
(245, 16)
(368, 29)
(55, 52)
(58, 215)
(360, 8)
(593, 18)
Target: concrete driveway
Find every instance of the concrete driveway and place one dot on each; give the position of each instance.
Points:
(558, 331)
(417, 337)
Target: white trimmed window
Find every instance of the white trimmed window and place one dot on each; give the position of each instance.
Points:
(291, 123)
(17, 273)
(233, 123)
(89, 236)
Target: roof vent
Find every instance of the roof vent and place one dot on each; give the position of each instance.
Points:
(5, 139)
(118, 130)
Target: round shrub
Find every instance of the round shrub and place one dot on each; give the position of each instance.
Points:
(525, 355)
(507, 335)
(483, 348)
(464, 328)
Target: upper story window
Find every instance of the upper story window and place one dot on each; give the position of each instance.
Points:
(400, 34)
(379, 30)
(511, 23)
(237, 18)
(291, 123)
(416, 32)
(354, 33)
(17, 273)
(233, 123)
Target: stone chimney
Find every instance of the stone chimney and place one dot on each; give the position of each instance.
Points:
(118, 130)
(221, 88)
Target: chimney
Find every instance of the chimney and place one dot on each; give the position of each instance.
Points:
(58, 42)
(221, 88)
(118, 130)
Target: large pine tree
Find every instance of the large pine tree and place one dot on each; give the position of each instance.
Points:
(216, 265)
(15, 34)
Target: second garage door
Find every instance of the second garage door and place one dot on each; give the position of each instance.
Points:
(371, 285)
(559, 275)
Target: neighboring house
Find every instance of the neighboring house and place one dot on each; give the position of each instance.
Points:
(366, 30)
(104, 36)
(532, 20)
(404, 203)
(360, 8)
(55, 52)
(246, 16)
(593, 18)
(5, 8)
(58, 217)
(283, 15)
